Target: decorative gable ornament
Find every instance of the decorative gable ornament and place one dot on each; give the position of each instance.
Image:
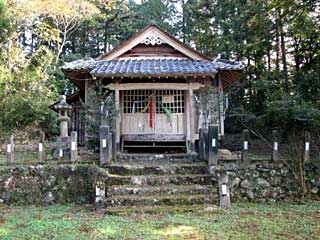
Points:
(152, 38)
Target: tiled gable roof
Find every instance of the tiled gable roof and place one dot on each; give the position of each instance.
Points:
(150, 67)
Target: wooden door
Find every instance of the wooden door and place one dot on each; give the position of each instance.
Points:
(169, 112)
(166, 116)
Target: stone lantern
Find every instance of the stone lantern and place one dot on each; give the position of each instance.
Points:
(63, 108)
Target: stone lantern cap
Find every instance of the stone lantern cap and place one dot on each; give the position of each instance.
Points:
(62, 105)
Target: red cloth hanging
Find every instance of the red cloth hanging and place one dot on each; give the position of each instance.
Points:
(150, 113)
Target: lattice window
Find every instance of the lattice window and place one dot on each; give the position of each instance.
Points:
(173, 100)
(137, 101)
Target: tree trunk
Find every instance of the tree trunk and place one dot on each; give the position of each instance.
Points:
(269, 59)
(283, 54)
(277, 45)
(283, 49)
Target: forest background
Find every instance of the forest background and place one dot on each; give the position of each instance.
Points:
(277, 40)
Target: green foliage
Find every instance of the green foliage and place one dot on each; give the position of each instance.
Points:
(292, 113)
(98, 110)
(26, 91)
(154, 11)
(308, 86)
(5, 26)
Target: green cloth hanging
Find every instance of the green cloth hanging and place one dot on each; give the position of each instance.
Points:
(146, 100)
(168, 112)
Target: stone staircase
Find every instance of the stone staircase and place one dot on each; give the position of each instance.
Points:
(156, 187)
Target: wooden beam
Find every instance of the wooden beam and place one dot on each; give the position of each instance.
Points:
(221, 109)
(192, 119)
(86, 83)
(187, 117)
(152, 86)
(154, 137)
(118, 119)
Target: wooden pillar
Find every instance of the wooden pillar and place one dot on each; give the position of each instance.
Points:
(213, 145)
(306, 155)
(41, 149)
(85, 134)
(118, 119)
(245, 146)
(74, 147)
(105, 145)
(275, 151)
(221, 112)
(192, 119)
(187, 120)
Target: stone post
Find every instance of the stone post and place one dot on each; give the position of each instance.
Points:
(100, 193)
(61, 153)
(306, 155)
(74, 147)
(206, 147)
(41, 149)
(245, 146)
(213, 145)
(275, 152)
(224, 190)
(105, 154)
(113, 145)
(201, 144)
(10, 149)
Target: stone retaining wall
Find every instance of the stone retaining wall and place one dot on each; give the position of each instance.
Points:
(45, 184)
(267, 182)
(48, 184)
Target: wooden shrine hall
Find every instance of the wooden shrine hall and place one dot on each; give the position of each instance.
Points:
(164, 91)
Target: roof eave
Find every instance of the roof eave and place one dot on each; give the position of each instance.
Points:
(158, 75)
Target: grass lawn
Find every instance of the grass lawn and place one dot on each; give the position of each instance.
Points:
(243, 221)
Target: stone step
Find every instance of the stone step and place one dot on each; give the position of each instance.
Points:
(158, 158)
(168, 200)
(114, 191)
(153, 180)
(117, 210)
(128, 169)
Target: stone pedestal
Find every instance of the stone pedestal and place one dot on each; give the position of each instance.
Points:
(63, 146)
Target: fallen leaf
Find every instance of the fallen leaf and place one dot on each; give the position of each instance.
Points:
(85, 229)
